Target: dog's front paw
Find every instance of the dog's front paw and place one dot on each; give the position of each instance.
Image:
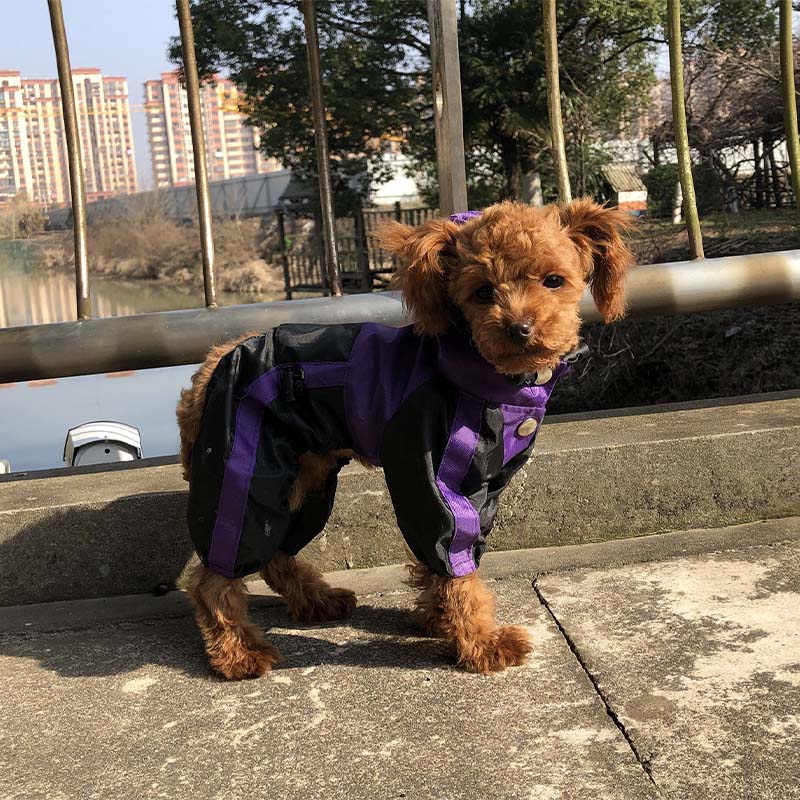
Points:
(326, 605)
(245, 661)
(507, 646)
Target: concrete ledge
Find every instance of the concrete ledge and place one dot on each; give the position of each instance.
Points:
(73, 615)
(95, 534)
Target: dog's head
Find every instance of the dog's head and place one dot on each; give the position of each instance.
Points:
(515, 275)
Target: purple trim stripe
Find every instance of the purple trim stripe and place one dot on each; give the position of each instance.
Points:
(464, 216)
(242, 459)
(457, 457)
(390, 365)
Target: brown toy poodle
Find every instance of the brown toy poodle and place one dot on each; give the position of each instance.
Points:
(449, 407)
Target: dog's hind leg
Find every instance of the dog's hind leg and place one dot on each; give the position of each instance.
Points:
(236, 646)
(193, 399)
(461, 610)
(308, 596)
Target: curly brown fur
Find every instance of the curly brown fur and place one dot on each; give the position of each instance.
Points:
(507, 253)
(491, 273)
(308, 596)
(236, 647)
(461, 610)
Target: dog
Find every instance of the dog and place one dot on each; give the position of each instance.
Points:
(449, 406)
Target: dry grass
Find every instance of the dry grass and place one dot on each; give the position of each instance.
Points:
(694, 356)
(753, 231)
(153, 247)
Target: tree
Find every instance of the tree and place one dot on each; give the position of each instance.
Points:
(733, 97)
(377, 84)
(606, 52)
(372, 65)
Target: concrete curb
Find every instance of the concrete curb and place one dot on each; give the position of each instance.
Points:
(99, 612)
(102, 533)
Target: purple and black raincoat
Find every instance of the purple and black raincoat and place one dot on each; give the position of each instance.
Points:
(448, 430)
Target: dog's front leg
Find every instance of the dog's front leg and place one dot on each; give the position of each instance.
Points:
(461, 610)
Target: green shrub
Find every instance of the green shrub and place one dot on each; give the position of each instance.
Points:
(661, 182)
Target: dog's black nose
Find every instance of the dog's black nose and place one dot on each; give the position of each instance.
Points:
(521, 330)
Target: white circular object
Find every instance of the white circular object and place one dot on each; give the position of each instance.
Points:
(527, 427)
(102, 442)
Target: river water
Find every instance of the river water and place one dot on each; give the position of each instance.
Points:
(35, 416)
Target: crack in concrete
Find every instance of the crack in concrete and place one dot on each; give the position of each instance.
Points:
(643, 762)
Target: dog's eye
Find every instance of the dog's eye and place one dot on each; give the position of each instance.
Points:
(553, 282)
(485, 293)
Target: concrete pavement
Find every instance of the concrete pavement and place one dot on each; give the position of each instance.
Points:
(666, 666)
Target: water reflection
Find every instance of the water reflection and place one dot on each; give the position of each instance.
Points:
(35, 416)
(31, 295)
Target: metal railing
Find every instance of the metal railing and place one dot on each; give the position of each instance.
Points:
(192, 80)
(75, 162)
(182, 337)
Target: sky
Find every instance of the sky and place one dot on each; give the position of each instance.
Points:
(121, 37)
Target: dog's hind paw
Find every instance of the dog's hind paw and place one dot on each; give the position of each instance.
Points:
(325, 605)
(246, 661)
(508, 646)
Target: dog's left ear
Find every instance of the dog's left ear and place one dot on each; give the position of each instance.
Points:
(422, 272)
(597, 233)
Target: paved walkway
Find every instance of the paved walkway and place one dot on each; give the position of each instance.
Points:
(664, 667)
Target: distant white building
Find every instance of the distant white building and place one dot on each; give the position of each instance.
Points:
(401, 187)
(232, 147)
(33, 153)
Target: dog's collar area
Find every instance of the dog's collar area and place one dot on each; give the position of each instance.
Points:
(537, 379)
(464, 367)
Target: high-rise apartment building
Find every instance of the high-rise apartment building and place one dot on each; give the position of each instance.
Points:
(231, 146)
(33, 154)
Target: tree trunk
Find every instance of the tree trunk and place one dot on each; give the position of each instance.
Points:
(532, 188)
(511, 169)
(769, 150)
(655, 144)
(759, 174)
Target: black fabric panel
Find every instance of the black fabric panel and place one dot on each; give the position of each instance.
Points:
(411, 452)
(308, 521)
(486, 465)
(498, 484)
(312, 422)
(302, 342)
(309, 420)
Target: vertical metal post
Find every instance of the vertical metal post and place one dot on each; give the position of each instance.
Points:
(681, 134)
(448, 115)
(199, 149)
(554, 101)
(789, 97)
(323, 159)
(76, 182)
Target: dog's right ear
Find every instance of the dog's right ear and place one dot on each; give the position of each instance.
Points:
(422, 272)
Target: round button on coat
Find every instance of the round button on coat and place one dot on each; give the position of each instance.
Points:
(527, 427)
